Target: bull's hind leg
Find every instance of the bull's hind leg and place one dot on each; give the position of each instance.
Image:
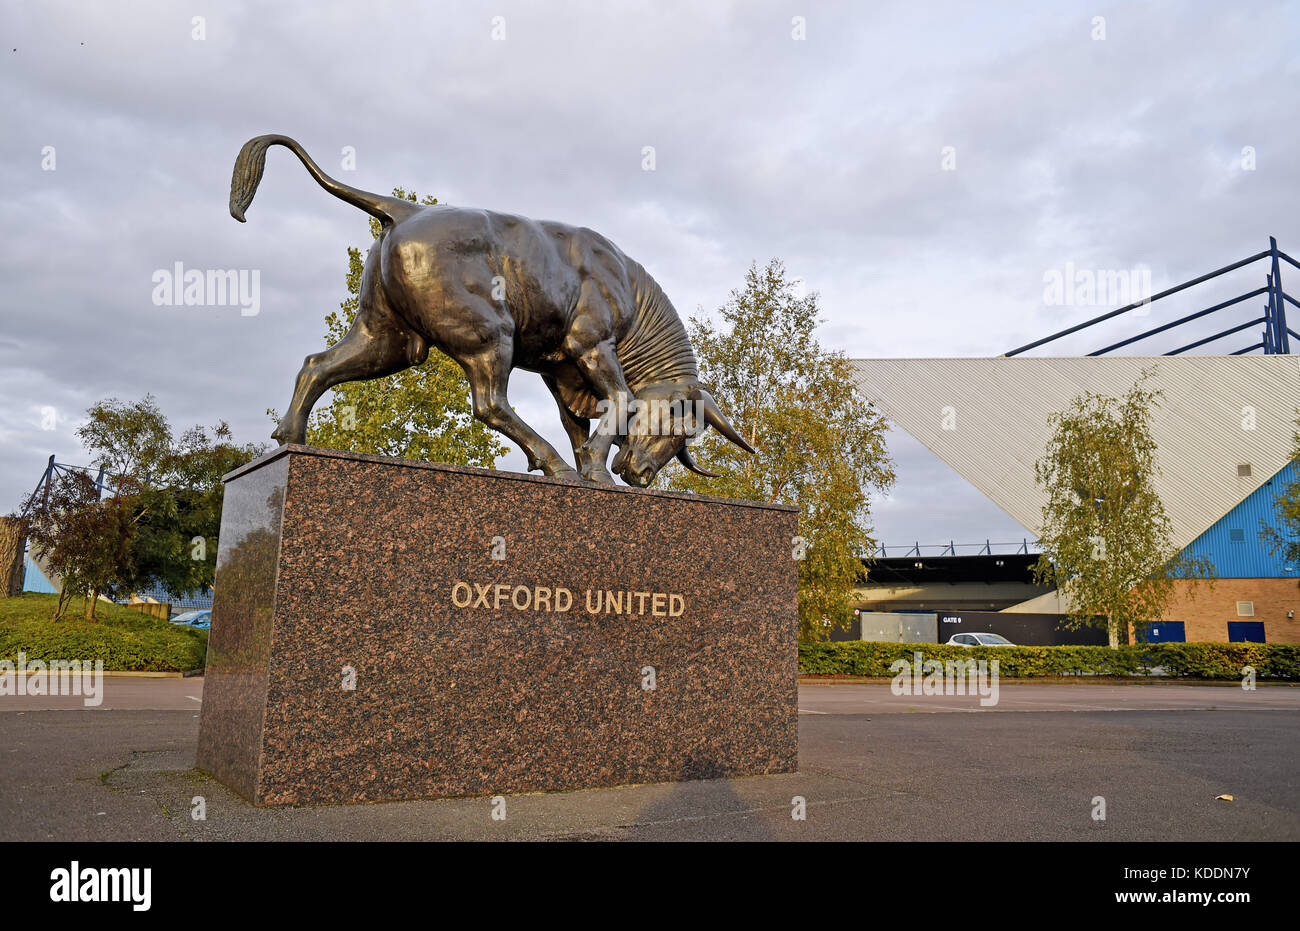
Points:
(489, 373)
(376, 345)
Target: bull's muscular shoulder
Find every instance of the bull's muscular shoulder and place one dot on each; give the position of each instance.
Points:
(585, 249)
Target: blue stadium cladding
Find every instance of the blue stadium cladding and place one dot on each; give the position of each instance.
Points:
(35, 581)
(1233, 542)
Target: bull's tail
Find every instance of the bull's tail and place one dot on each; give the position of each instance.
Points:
(252, 161)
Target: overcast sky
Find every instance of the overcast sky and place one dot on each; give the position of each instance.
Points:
(921, 165)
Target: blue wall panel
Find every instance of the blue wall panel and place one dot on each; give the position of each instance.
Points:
(1246, 632)
(1233, 543)
(34, 581)
(1163, 632)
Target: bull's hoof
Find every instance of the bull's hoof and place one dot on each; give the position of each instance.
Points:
(561, 470)
(597, 473)
(285, 437)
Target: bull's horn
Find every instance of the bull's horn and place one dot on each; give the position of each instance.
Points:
(718, 420)
(685, 458)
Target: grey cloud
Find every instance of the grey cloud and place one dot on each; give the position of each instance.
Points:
(823, 152)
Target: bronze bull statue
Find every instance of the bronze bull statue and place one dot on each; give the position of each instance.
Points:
(497, 292)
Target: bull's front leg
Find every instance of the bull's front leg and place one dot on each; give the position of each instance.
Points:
(593, 455)
(600, 367)
(578, 430)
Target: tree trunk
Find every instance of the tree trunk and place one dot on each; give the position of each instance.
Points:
(13, 538)
(1112, 632)
(91, 601)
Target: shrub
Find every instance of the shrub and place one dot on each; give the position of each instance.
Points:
(126, 640)
(1187, 660)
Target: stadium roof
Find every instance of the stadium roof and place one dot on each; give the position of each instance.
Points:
(987, 419)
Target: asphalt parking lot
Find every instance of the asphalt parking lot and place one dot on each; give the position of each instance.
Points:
(873, 766)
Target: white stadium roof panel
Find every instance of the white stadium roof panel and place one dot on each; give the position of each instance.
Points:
(997, 412)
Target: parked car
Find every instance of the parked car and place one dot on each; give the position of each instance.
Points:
(198, 619)
(979, 640)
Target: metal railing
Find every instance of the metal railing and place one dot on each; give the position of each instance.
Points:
(987, 548)
(1275, 338)
(102, 481)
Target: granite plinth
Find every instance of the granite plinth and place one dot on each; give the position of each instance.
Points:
(388, 629)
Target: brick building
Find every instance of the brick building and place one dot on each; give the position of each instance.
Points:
(1256, 594)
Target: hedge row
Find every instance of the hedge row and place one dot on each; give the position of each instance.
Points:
(126, 640)
(1191, 660)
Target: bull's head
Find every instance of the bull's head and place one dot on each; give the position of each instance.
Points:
(665, 418)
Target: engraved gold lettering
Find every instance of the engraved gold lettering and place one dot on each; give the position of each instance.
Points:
(469, 594)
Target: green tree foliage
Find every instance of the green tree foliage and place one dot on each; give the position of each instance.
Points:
(820, 446)
(1107, 541)
(1284, 538)
(159, 519)
(179, 512)
(420, 413)
(78, 537)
